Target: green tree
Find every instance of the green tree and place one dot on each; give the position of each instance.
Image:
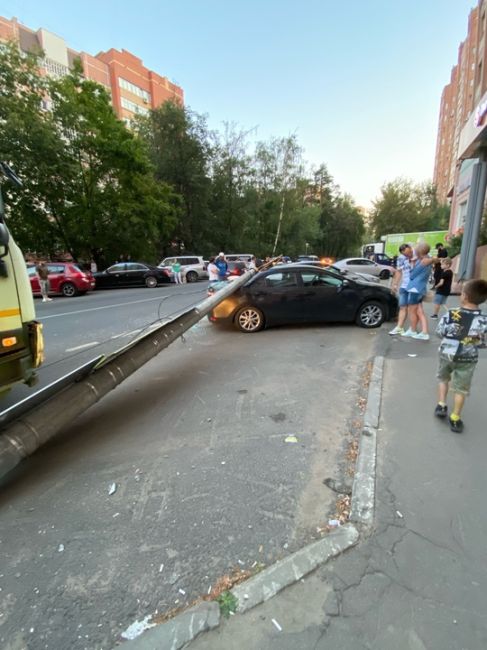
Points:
(179, 144)
(408, 207)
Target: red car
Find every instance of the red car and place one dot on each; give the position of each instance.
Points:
(65, 278)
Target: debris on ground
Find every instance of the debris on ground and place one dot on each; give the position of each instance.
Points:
(334, 523)
(399, 514)
(290, 438)
(276, 625)
(60, 548)
(136, 629)
(412, 355)
(112, 489)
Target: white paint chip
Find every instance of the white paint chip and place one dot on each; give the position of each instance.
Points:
(112, 489)
(276, 625)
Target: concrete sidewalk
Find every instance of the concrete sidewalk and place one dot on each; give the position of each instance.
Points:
(418, 580)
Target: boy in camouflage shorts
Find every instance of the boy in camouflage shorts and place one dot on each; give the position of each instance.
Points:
(463, 331)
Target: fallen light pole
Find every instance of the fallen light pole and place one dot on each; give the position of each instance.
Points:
(25, 435)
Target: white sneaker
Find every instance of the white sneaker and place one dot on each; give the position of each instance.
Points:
(49, 300)
(409, 333)
(396, 330)
(44, 300)
(421, 336)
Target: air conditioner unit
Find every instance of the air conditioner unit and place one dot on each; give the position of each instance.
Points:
(145, 100)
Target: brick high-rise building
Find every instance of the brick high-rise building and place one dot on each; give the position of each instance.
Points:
(457, 102)
(134, 89)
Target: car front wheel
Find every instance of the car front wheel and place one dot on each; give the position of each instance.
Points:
(384, 275)
(69, 290)
(371, 314)
(249, 319)
(151, 282)
(191, 276)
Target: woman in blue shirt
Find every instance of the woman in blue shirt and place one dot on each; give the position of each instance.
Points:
(417, 290)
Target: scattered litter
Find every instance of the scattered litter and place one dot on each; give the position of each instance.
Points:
(136, 629)
(254, 564)
(241, 563)
(32, 629)
(334, 523)
(276, 625)
(249, 526)
(399, 514)
(117, 514)
(231, 613)
(208, 420)
(290, 438)
(161, 567)
(182, 592)
(209, 590)
(176, 601)
(261, 549)
(60, 548)
(223, 462)
(412, 355)
(455, 621)
(285, 545)
(112, 489)
(246, 596)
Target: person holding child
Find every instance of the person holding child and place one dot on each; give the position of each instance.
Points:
(417, 289)
(463, 331)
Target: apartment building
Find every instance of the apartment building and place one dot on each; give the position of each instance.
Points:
(134, 89)
(462, 129)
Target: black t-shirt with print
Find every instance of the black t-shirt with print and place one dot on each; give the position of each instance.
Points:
(447, 277)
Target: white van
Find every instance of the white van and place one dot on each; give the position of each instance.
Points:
(239, 257)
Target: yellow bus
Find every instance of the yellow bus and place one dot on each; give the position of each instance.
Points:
(21, 341)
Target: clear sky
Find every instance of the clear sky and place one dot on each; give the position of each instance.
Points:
(359, 81)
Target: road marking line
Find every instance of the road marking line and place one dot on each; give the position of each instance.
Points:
(81, 347)
(82, 311)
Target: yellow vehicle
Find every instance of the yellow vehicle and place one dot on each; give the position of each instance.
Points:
(21, 341)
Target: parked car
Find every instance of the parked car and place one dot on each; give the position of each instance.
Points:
(65, 279)
(238, 257)
(365, 277)
(131, 274)
(307, 258)
(193, 267)
(304, 294)
(363, 265)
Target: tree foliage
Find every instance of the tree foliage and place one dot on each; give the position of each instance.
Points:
(404, 206)
(89, 187)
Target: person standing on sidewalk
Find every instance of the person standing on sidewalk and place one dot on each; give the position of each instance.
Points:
(417, 289)
(399, 285)
(212, 271)
(443, 286)
(463, 331)
(441, 253)
(176, 271)
(43, 274)
(221, 264)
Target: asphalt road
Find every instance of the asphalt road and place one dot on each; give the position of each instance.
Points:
(205, 482)
(79, 329)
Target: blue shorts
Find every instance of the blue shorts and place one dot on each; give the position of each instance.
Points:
(415, 298)
(403, 297)
(440, 299)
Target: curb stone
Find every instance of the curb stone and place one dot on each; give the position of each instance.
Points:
(363, 491)
(180, 630)
(184, 628)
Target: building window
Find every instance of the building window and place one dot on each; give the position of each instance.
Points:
(135, 90)
(133, 107)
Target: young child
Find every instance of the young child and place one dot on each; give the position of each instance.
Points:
(463, 331)
(443, 287)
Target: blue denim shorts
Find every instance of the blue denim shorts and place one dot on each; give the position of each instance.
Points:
(414, 298)
(403, 297)
(440, 299)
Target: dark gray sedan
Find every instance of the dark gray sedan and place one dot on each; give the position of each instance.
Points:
(304, 294)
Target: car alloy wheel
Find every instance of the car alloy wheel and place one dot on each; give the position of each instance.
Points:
(384, 275)
(191, 276)
(151, 282)
(370, 315)
(69, 290)
(249, 319)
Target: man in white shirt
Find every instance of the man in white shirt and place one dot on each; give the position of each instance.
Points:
(212, 270)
